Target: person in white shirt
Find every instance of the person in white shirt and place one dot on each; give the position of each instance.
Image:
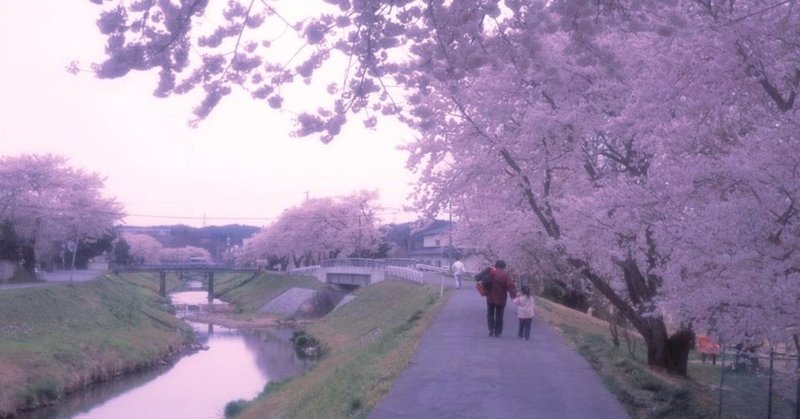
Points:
(524, 312)
(458, 272)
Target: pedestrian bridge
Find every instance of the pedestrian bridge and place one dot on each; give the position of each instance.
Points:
(206, 269)
(360, 272)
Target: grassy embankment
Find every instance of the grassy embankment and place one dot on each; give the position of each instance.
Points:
(60, 338)
(249, 293)
(646, 393)
(366, 344)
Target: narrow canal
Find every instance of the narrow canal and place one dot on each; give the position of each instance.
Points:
(236, 365)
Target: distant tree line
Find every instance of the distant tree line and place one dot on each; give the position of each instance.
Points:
(213, 243)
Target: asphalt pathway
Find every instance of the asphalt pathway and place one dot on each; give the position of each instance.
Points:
(458, 371)
(58, 277)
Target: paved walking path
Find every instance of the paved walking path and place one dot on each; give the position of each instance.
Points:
(58, 277)
(458, 371)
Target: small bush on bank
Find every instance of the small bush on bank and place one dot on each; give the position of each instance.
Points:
(41, 392)
(274, 386)
(305, 345)
(234, 408)
(355, 405)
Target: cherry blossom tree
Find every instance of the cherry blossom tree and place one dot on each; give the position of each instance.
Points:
(729, 223)
(319, 229)
(143, 248)
(260, 250)
(183, 254)
(46, 200)
(648, 143)
(619, 177)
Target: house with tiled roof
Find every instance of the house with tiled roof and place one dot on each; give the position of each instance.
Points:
(431, 243)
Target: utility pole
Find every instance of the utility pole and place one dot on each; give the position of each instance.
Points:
(74, 250)
(450, 237)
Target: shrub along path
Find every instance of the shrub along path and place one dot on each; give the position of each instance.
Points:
(458, 371)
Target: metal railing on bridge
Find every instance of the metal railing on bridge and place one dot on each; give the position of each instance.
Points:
(305, 270)
(204, 267)
(370, 263)
(431, 268)
(402, 272)
(399, 268)
(402, 262)
(354, 262)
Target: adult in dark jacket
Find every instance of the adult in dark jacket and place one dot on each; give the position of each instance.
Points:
(496, 298)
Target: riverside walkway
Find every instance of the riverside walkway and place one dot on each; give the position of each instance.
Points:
(458, 371)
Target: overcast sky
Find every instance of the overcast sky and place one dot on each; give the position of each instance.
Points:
(239, 166)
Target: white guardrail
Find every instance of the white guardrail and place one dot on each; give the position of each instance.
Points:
(430, 268)
(306, 270)
(404, 273)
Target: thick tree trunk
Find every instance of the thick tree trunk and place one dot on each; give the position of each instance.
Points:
(29, 258)
(679, 346)
(298, 260)
(661, 353)
(641, 287)
(655, 337)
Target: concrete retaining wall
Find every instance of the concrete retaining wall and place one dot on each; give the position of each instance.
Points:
(376, 275)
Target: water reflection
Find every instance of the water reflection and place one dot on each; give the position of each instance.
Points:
(192, 295)
(237, 365)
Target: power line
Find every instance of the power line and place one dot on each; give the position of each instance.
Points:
(248, 199)
(189, 217)
(203, 217)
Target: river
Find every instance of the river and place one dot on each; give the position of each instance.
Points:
(237, 365)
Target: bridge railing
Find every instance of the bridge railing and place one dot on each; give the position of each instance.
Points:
(179, 267)
(402, 272)
(305, 270)
(431, 268)
(404, 262)
(356, 262)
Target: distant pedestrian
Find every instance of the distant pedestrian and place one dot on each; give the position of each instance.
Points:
(524, 312)
(458, 272)
(497, 297)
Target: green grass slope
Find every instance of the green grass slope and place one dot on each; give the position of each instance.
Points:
(249, 292)
(59, 338)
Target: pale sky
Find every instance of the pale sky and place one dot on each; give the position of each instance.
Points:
(239, 166)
